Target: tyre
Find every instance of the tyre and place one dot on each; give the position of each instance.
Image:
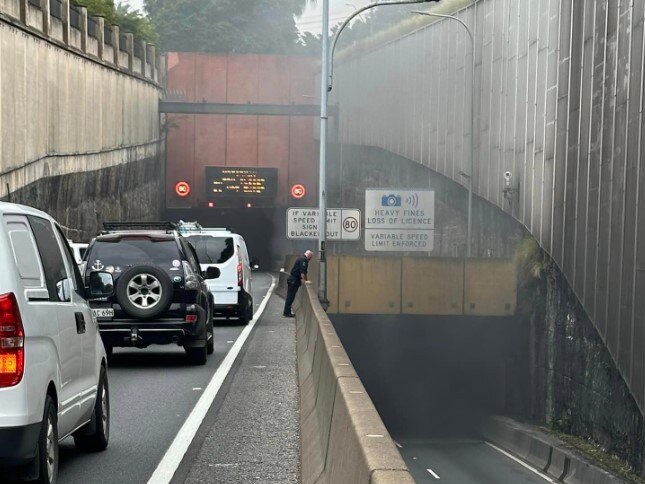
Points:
(198, 355)
(47, 456)
(210, 336)
(247, 316)
(94, 437)
(144, 292)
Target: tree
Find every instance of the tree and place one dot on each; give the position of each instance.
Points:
(121, 15)
(244, 26)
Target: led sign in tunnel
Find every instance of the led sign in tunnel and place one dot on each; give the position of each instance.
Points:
(182, 189)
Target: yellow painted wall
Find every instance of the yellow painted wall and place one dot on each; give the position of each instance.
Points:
(490, 287)
(369, 285)
(433, 286)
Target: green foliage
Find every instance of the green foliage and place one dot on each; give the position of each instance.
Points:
(532, 261)
(128, 20)
(257, 26)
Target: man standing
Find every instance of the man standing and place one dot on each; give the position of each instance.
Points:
(296, 278)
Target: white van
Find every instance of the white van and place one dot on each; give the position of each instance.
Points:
(53, 367)
(227, 251)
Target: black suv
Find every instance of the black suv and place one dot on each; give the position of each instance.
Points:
(160, 297)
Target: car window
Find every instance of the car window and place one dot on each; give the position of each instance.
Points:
(212, 250)
(25, 253)
(51, 257)
(131, 252)
(69, 255)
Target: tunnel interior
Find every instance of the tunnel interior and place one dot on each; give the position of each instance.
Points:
(438, 376)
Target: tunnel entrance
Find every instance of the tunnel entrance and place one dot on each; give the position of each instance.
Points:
(438, 376)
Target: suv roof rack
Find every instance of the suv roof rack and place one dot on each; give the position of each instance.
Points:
(116, 227)
(188, 227)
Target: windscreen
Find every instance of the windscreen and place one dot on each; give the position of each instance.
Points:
(129, 252)
(212, 250)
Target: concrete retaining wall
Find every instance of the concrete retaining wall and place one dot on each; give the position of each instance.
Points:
(66, 109)
(342, 435)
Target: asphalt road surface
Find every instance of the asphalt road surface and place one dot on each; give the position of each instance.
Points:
(152, 391)
(464, 462)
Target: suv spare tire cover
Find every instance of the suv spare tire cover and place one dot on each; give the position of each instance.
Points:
(144, 292)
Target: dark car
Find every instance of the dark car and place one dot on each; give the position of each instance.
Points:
(160, 293)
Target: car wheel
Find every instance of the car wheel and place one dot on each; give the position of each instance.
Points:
(210, 337)
(47, 457)
(94, 437)
(248, 312)
(197, 355)
(144, 292)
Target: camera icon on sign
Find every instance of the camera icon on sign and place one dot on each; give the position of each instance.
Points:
(391, 201)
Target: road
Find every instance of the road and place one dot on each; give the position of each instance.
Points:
(462, 461)
(152, 392)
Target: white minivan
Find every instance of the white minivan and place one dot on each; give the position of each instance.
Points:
(227, 251)
(53, 367)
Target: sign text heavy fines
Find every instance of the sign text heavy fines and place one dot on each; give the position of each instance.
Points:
(399, 220)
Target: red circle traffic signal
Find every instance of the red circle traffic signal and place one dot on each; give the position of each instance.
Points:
(182, 189)
(298, 191)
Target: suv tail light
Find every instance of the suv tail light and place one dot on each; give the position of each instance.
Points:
(12, 342)
(240, 273)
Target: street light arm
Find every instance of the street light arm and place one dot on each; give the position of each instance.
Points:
(442, 15)
(330, 80)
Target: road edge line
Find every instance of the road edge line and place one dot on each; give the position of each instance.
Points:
(171, 460)
(522, 463)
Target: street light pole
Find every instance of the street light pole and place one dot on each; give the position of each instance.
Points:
(469, 230)
(326, 84)
(322, 176)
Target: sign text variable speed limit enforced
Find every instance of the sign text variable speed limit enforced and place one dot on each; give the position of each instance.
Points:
(399, 220)
(342, 223)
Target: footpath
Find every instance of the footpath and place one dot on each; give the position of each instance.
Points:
(251, 433)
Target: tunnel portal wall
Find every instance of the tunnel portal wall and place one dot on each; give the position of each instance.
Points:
(558, 103)
(79, 125)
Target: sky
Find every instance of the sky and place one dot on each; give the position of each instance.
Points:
(311, 18)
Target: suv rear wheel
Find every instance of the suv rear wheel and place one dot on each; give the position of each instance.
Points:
(198, 355)
(144, 292)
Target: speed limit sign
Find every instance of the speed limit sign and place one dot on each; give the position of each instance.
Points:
(350, 224)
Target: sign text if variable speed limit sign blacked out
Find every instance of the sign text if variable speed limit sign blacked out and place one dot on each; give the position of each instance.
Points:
(342, 223)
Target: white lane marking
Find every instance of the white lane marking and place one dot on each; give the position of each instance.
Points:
(434, 474)
(166, 469)
(522, 463)
(229, 342)
(197, 389)
(398, 445)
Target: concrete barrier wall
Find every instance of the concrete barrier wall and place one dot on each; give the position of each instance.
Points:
(343, 439)
(412, 285)
(66, 108)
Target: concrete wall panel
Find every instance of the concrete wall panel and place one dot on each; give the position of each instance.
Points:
(490, 287)
(432, 286)
(370, 288)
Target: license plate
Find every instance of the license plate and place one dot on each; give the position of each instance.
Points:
(103, 313)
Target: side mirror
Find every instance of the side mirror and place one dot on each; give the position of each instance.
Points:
(63, 290)
(101, 285)
(212, 273)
